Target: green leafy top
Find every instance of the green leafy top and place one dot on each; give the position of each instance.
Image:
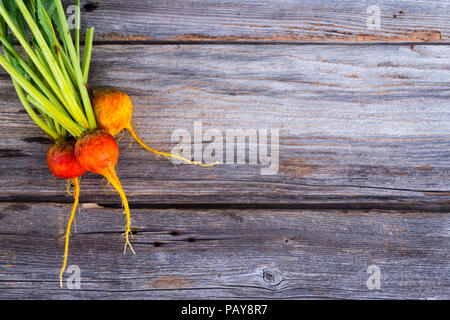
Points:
(49, 78)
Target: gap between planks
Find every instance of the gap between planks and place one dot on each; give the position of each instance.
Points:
(263, 43)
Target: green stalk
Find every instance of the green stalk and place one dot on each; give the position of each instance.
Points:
(52, 133)
(48, 120)
(29, 51)
(87, 53)
(32, 74)
(44, 64)
(74, 108)
(58, 128)
(77, 29)
(51, 123)
(49, 126)
(46, 105)
(76, 65)
(68, 65)
(67, 77)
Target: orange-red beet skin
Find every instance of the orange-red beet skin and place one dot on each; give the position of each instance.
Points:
(113, 110)
(97, 152)
(62, 162)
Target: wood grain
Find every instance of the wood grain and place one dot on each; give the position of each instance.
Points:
(360, 126)
(274, 254)
(266, 21)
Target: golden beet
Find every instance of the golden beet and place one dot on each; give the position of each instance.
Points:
(113, 110)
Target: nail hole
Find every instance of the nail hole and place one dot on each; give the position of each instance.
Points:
(91, 6)
(191, 239)
(175, 233)
(157, 244)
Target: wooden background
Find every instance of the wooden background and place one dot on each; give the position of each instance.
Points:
(364, 156)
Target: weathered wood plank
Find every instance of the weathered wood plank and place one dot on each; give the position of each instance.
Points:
(360, 125)
(225, 253)
(267, 20)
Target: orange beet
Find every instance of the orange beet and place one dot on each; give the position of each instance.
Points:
(62, 162)
(98, 152)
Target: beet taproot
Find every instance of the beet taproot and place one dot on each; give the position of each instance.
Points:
(98, 152)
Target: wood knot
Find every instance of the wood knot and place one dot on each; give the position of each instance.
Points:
(271, 276)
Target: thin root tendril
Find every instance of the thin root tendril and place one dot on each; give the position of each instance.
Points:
(112, 177)
(76, 195)
(167, 155)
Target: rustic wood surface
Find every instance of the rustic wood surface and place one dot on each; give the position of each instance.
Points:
(266, 20)
(364, 156)
(226, 253)
(360, 126)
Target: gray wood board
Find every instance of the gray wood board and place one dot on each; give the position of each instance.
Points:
(192, 254)
(267, 20)
(359, 125)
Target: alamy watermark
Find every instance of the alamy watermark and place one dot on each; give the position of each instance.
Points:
(374, 19)
(374, 280)
(73, 17)
(232, 146)
(74, 279)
